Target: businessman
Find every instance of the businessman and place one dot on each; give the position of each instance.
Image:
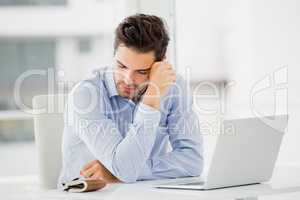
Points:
(133, 120)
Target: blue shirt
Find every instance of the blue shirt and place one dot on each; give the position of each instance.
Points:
(130, 139)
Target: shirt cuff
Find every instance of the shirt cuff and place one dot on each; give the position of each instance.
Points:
(146, 172)
(147, 114)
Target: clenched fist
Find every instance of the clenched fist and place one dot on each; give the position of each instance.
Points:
(161, 77)
(95, 170)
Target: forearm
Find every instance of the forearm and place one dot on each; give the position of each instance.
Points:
(125, 157)
(178, 163)
(152, 97)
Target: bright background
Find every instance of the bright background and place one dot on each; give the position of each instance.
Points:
(246, 43)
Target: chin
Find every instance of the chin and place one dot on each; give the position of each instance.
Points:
(124, 94)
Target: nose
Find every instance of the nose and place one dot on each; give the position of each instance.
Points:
(128, 78)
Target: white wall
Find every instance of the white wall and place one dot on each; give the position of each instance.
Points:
(243, 42)
(77, 66)
(76, 19)
(200, 35)
(264, 36)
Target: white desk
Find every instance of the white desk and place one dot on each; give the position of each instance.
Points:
(285, 185)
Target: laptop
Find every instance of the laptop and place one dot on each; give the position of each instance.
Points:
(245, 154)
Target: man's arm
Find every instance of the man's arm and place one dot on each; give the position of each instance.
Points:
(96, 170)
(123, 157)
(186, 157)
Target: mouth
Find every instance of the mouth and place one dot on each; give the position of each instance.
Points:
(128, 89)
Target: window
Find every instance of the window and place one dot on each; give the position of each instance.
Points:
(17, 57)
(84, 45)
(33, 2)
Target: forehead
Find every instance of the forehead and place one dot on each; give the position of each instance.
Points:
(133, 59)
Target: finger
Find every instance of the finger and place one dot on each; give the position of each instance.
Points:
(156, 64)
(168, 66)
(165, 61)
(88, 165)
(96, 175)
(89, 172)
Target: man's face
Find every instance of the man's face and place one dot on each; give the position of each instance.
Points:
(131, 71)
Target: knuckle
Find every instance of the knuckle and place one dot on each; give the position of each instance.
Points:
(94, 161)
(84, 174)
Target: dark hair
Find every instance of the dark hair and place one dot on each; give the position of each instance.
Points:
(143, 33)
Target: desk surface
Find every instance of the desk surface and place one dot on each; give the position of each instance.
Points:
(285, 184)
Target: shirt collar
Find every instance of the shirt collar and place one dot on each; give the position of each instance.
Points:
(110, 82)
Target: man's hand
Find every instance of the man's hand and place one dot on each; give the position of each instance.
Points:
(95, 170)
(161, 77)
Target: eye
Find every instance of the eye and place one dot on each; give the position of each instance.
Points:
(121, 67)
(143, 72)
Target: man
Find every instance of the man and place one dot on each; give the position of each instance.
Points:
(119, 123)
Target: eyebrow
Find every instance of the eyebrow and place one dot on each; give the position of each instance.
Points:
(148, 69)
(121, 64)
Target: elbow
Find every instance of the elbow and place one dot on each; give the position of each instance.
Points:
(196, 170)
(126, 178)
(197, 166)
(125, 175)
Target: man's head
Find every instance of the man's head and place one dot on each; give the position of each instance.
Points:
(140, 40)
